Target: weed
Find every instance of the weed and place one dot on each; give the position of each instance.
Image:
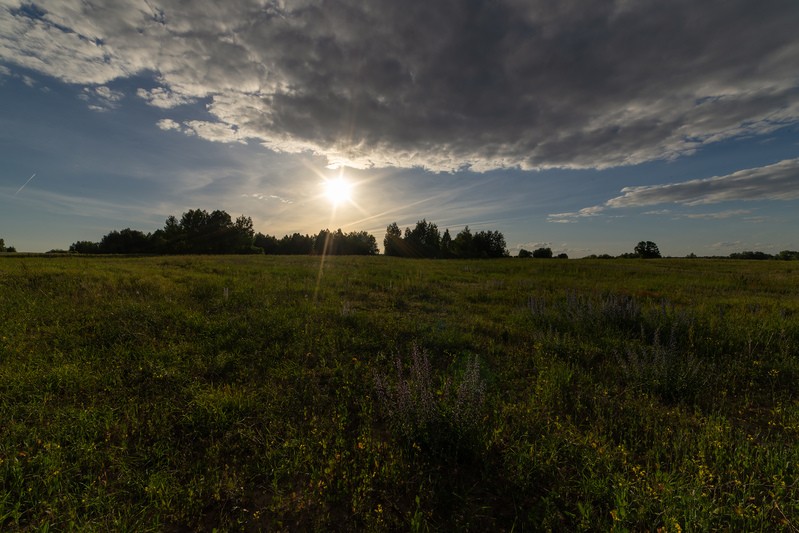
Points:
(444, 415)
(663, 369)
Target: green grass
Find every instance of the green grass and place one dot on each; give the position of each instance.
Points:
(265, 393)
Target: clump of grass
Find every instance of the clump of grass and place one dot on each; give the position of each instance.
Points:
(663, 369)
(443, 414)
(594, 313)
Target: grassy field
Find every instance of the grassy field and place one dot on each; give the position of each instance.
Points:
(276, 393)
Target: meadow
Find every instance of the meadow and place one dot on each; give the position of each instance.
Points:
(249, 393)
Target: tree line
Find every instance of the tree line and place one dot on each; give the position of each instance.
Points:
(201, 232)
(425, 240)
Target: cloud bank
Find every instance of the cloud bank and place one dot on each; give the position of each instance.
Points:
(442, 85)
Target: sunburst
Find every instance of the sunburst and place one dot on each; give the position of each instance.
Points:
(338, 190)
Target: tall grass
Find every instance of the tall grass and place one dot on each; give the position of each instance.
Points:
(260, 393)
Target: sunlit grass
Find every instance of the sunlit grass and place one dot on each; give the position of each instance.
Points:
(245, 393)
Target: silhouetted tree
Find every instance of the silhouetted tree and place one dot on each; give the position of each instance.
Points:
(542, 253)
(525, 254)
(359, 243)
(392, 243)
(462, 245)
(788, 255)
(647, 250)
(267, 243)
(424, 240)
(6, 249)
(85, 247)
(446, 244)
(127, 241)
(296, 244)
(489, 244)
(751, 255)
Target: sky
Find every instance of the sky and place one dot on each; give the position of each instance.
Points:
(583, 126)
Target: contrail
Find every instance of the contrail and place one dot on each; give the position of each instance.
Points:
(23, 185)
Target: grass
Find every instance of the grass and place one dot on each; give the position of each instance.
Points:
(260, 393)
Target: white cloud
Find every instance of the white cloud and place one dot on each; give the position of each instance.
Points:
(163, 97)
(101, 98)
(438, 85)
(213, 131)
(210, 131)
(267, 197)
(571, 217)
(779, 181)
(167, 124)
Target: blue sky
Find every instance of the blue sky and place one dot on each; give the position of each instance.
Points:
(582, 126)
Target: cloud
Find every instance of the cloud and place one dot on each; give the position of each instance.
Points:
(565, 218)
(163, 98)
(441, 85)
(101, 98)
(167, 124)
(274, 197)
(779, 181)
(718, 215)
(727, 244)
(211, 131)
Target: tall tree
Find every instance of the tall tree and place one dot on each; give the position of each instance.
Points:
(424, 240)
(392, 243)
(446, 244)
(463, 246)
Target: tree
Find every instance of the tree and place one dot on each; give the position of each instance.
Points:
(243, 234)
(267, 243)
(750, 255)
(542, 253)
(525, 254)
(463, 245)
(446, 244)
(127, 241)
(85, 247)
(563, 256)
(788, 255)
(359, 243)
(424, 240)
(647, 250)
(489, 244)
(2, 245)
(392, 243)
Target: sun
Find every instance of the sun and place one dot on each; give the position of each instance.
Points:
(338, 190)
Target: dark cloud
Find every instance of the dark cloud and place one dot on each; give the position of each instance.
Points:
(442, 85)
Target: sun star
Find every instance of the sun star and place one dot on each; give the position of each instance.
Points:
(338, 190)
